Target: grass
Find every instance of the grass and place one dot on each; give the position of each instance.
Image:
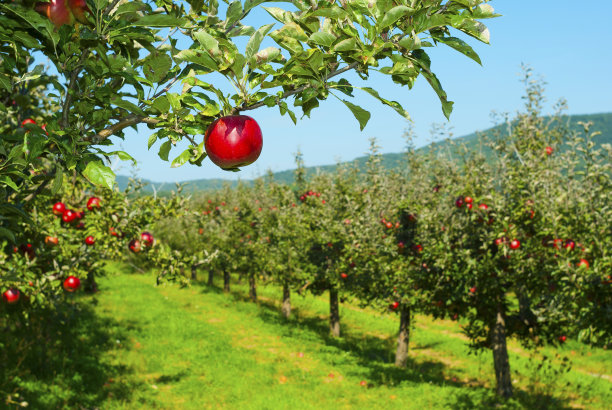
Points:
(134, 345)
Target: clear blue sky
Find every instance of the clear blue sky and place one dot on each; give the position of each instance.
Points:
(566, 42)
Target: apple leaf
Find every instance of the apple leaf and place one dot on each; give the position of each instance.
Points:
(181, 159)
(255, 41)
(159, 20)
(393, 15)
(234, 13)
(461, 46)
(360, 114)
(156, 67)
(9, 182)
(57, 182)
(322, 38)
(5, 233)
(99, 174)
(393, 104)
(164, 150)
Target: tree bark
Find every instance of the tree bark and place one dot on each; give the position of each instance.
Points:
(194, 271)
(401, 354)
(334, 313)
(211, 277)
(91, 286)
(226, 281)
(252, 289)
(286, 307)
(500, 355)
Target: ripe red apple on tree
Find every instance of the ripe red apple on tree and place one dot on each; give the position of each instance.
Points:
(59, 208)
(233, 141)
(583, 264)
(72, 284)
(515, 244)
(90, 240)
(57, 11)
(343, 275)
(78, 8)
(549, 150)
(146, 238)
(93, 202)
(68, 216)
(28, 121)
(11, 296)
(134, 245)
(562, 339)
(394, 305)
(459, 202)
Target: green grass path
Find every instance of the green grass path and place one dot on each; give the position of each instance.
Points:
(200, 348)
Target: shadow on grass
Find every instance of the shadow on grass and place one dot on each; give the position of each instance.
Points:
(56, 359)
(377, 355)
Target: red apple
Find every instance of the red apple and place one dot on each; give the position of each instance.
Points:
(146, 238)
(389, 225)
(549, 150)
(418, 248)
(28, 121)
(59, 208)
(56, 11)
(484, 207)
(233, 141)
(134, 245)
(583, 263)
(363, 383)
(72, 284)
(93, 202)
(394, 305)
(90, 240)
(515, 244)
(473, 290)
(69, 215)
(343, 275)
(11, 296)
(459, 202)
(570, 245)
(468, 200)
(562, 339)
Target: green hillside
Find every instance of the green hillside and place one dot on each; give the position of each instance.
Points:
(601, 122)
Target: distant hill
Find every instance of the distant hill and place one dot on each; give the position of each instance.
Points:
(600, 122)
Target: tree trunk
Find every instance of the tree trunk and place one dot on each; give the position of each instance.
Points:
(286, 307)
(194, 271)
(401, 354)
(91, 286)
(211, 277)
(500, 355)
(226, 281)
(252, 289)
(334, 313)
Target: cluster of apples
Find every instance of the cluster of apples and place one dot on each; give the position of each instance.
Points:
(12, 295)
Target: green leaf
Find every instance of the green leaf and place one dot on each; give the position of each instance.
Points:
(255, 41)
(156, 67)
(484, 11)
(322, 38)
(279, 14)
(164, 150)
(161, 104)
(5, 82)
(234, 13)
(5, 233)
(99, 174)
(208, 42)
(175, 101)
(197, 57)
(461, 46)
(152, 139)
(159, 20)
(57, 182)
(393, 104)
(346, 45)
(268, 54)
(360, 114)
(181, 159)
(475, 29)
(126, 105)
(394, 14)
(6, 180)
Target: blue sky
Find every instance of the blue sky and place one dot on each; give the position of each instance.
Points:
(566, 43)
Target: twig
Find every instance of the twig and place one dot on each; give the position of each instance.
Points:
(74, 75)
(243, 107)
(40, 187)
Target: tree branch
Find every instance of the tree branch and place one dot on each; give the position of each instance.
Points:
(288, 94)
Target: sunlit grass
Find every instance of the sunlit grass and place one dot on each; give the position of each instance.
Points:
(167, 347)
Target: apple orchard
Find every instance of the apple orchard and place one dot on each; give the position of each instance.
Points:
(512, 240)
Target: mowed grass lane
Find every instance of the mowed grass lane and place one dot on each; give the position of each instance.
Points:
(200, 348)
